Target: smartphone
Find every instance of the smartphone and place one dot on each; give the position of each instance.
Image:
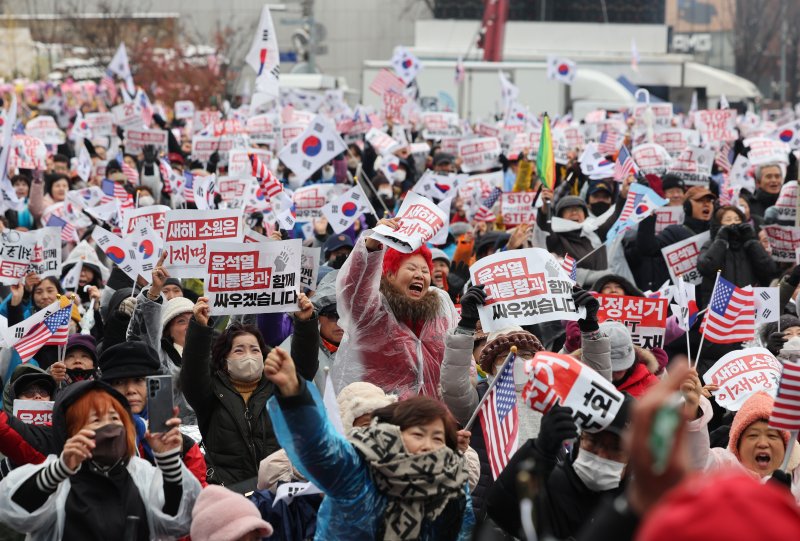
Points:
(160, 403)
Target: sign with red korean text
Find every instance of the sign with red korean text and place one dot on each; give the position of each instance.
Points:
(235, 192)
(651, 158)
(436, 125)
(674, 140)
(262, 129)
(786, 205)
(202, 119)
(784, 241)
(247, 278)
(239, 164)
(37, 251)
(479, 154)
(154, 216)
(660, 113)
(45, 128)
(523, 287)
(667, 216)
(28, 153)
(716, 125)
(517, 208)
(203, 146)
(553, 378)
(101, 124)
(419, 218)
(188, 233)
(681, 258)
(136, 139)
(184, 109)
(309, 200)
(645, 318)
(309, 267)
(764, 150)
(46, 258)
(742, 373)
(34, 412)
(128, 115)
(693, 165)
(381, 142)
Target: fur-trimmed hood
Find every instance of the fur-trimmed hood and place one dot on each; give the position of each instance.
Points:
(643, 356)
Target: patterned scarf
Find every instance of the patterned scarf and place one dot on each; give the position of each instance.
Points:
(418, 487)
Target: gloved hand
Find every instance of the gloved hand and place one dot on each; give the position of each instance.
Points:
(794, 277)
(150, 154)
(775, 342)
(127, 306)
(746, 232)
(781, 479)
(160, 122)
(724, 233)
(592, 305)
(472, 299)
(120, 133)
(557, 427)
(459, 274)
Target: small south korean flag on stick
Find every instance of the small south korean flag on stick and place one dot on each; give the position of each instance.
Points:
(560, 69)
(317, 145)
(343, 211)
(768, 306)
(405, 64)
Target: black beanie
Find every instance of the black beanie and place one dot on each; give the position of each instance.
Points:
(129, 360)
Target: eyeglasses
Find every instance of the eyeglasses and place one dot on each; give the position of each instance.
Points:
(35, 391)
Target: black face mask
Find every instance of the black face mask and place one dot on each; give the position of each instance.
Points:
(111, 445)
(80, 374)
(337, 261)
(321, 237)
(599, 208)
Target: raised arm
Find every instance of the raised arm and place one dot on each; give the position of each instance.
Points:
(195, 376)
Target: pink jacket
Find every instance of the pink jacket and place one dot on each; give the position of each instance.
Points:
(377, 348)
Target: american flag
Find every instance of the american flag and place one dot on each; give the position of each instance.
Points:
(624, 165)
(115, 190)
(492, 198)
(269, 184)
(166, 175)
(131, 174)
(43, 333)
(68, 233)
(570, 266)
(107, 82)
(484, 214)
(607, 142)
(786, 411)
(722, 157)
(731, 316)
(386, 81)
(499, 419)
(188, 187)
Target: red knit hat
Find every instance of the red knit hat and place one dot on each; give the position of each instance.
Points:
(722, 507)
(756, 408)
(392, 259)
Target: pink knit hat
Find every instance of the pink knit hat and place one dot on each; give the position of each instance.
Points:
(222, 515)
(756, 408)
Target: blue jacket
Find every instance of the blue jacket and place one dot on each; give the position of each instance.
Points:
(353, 506)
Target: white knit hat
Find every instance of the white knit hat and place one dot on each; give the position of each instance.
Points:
(173, 308)
(360, 398)
(619, 337)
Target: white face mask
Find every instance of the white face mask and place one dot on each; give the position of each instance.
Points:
(400, 175)
(146, 201)
(388, 194)
(327, 172)
(598, 474)
(294, 182)
(247, 369)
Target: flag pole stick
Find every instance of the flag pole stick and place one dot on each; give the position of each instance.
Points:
(511, 356)
(368, 182)
(587, 256)
(703, 334)
(788, 454)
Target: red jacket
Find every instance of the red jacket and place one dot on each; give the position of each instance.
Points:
(15, 447)
(639, 381)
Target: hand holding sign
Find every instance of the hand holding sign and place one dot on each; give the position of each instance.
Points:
(201, 311)
(373, 245)
(306, 311)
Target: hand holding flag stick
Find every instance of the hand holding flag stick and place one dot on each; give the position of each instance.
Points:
(512, 355)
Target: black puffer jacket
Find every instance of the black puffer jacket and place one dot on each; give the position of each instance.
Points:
(237, 435)
(761, 201)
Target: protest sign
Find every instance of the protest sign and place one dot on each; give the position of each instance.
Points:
(674, 140)
(480, 185)
(28, 153)
(239, 164)
(523, 287)
(419, 219)
(37, 251)
(137, 138)
(46, 258)
(563, 379)
(381, 142)
(784, 241)
(184, 109)
(101, 124)
(716, 125)
(764, 150)
(667, 216)
(436, 125)
(154, 216)
(681, 258)
(742, 373)
(247, 278)
(203, 146)
(250, 235)
(309, 267)
(45, 128)
(693, 165)
(309, 200)
(645, 318)
(786, 205)
(128, 115)
(203, 118)
(517, 208)
(34, 412)
(187, 235)
(236, 192)
(659, 113)
(262, 129)
(479, 154)
(652, 159)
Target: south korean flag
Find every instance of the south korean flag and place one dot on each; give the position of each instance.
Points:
(317, 145)
(768, 306)
(343, 211)
(405, 64)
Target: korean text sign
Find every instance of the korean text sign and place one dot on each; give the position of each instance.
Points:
(681, 258)
(420, 219)
(645, 318)
(188, 233)
(523, 287)
(247, 278)
(741, 373)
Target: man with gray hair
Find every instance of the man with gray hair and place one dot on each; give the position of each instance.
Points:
(769, 180)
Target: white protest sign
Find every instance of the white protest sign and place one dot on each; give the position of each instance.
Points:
(523, 287)
(554, 378)
(786, 205)
(262, 129)
(436, 125)
(645, 318)
(716, 125)
(239, 164)
(419, 218)
(28, 153)
(184, 109)
(34, 412)
(254, 236)
(154, 216)
(309, 267)
(661, 115)
(137, 138)
(784, 241)
(517, 208)
(480, 186)
(764, 150)
(667, 216)
(37, 251)
(101, 124)
(236, 193)
(651, 159)
(479, 154)
(381, 142)
(561, 146)
(742, 373)
(203, 146)
(187, 235)
(203, 118)
(46, 258)
(693, 165)
(309, 200)
(247, 278)
(681, 258)
(45, 128)
(128, 115)
(674, 140)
